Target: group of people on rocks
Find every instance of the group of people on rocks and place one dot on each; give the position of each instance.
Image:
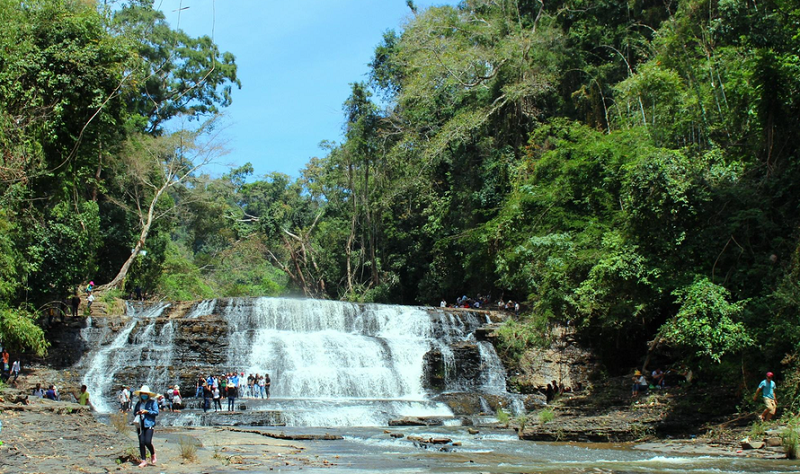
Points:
(658, 380)
(170, 400)
(231, 386)
(553, 390)
(70, 305)
(482, 301)
(52, 393)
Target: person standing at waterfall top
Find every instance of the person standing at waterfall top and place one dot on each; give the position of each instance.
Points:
(145, 413)
(76, 303)
(267, 383)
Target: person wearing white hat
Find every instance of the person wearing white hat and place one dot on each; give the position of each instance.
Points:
(145, 413)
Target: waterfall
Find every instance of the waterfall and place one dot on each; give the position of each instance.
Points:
(107, 361)
(331, 363)
(323, 349)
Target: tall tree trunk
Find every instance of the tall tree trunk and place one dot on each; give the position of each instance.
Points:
(349, 247)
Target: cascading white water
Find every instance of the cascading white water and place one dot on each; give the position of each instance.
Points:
(147, 347)
(324, 349)
(331, 363)
(202, 308)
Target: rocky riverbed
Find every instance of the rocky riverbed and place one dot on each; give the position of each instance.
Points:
(47, 436)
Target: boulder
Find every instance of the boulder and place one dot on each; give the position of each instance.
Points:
(773, 442)
(440, 440)
(752, 444)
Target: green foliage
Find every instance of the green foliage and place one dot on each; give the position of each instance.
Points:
(515, 337)
(790, 438)
(181, 279)
(19, 331)
(503, 417)
(707, 321)
(546, 415)
(626, 167)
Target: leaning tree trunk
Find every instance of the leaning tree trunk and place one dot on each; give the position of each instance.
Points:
(147, 223)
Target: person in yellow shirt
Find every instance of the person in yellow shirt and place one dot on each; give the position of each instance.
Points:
(83, 397)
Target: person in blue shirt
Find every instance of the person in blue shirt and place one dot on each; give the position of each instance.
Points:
(767, 389)
(145, 413)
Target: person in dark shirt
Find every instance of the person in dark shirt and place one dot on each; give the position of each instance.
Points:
(76, 302)
(51, 393)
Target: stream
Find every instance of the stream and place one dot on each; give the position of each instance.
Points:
(368, 450)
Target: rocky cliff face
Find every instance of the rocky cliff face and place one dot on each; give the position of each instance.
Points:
(312, 349)
(395, 357)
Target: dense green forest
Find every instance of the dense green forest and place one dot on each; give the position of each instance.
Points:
(624, 167)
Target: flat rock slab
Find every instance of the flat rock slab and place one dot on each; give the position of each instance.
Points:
(416, 421)
(752, 444)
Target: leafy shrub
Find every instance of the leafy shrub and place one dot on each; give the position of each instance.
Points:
(515, 337)
(546, 416)
(790, 439)
(522, 421)
(503, 416)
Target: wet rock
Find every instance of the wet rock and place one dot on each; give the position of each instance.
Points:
(440, 440)
(473, 431)
(773, 442)
(397, 435)
(463, 371)
(416, 421)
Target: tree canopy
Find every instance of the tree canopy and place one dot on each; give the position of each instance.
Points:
(624, 167)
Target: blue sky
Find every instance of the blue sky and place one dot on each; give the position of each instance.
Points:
(296, 60)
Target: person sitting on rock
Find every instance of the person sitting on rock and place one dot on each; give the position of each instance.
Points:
(639, 384)
(51, 393)
(38, 391)
(658, 377)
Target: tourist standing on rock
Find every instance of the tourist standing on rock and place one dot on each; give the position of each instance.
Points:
(206, 396)
(262, 386)
(267, 383)
(15, 370)
(767, 389)
(217, 398)
(83, 397)
(6, 368)
(232, 392)
(89, 301)
(76, 303)
(177, 401)
(145, 413)
(124, 398)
